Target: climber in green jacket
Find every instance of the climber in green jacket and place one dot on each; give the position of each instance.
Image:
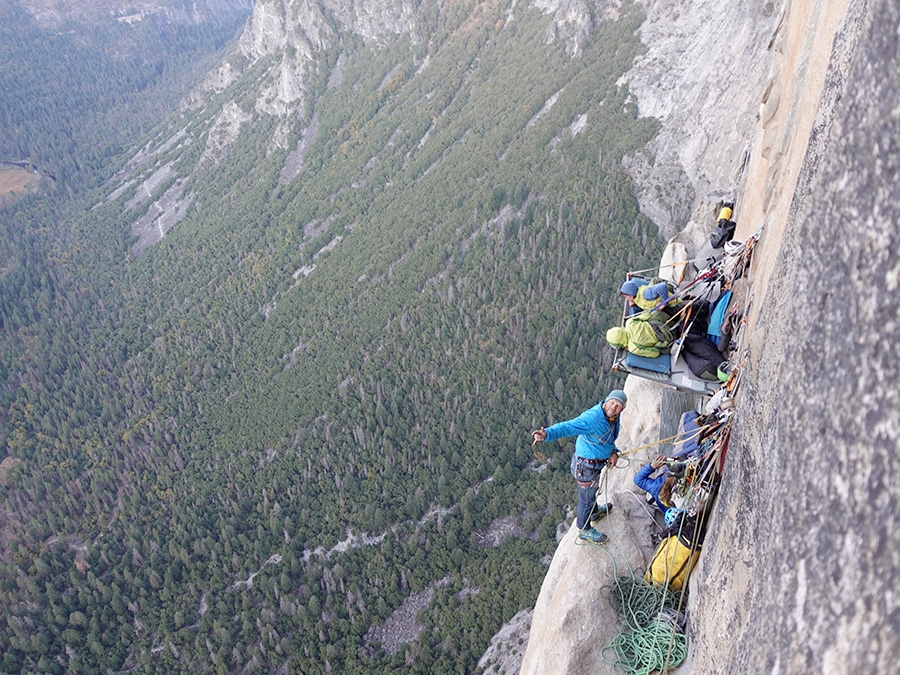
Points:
(646, 334)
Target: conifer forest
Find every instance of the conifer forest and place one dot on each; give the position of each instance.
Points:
(248, 446)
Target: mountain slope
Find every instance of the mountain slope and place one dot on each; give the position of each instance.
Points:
(275, 375)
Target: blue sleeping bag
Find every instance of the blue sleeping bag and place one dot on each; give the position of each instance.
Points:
(660, 364)
(717, 317)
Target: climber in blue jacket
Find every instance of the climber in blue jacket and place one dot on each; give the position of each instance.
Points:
(660, 487)
(644, 296)
(596, 430)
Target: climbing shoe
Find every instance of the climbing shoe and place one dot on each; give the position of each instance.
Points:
(593, 536)
(600, 510)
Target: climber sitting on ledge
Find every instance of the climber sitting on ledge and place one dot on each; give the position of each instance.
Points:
(646, 334)
(597, 430)
(641, 295)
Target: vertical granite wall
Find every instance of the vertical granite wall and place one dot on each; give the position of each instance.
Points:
(801, 569)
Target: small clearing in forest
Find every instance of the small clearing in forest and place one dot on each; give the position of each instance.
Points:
(15, 183)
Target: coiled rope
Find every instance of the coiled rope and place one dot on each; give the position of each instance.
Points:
(654, 639)
(653, 648)
(639, 602)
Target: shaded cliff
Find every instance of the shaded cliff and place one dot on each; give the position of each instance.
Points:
(800, 561)
(705, 66)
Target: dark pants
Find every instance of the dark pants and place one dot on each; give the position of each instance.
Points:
(587, 476)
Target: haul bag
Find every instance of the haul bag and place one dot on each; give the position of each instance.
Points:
(690, 432)
(672, 563)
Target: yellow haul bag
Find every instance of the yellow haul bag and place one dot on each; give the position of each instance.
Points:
(672, 563)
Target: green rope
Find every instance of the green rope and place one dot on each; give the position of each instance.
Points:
(655, 648)
(652, 640)
(639, 602)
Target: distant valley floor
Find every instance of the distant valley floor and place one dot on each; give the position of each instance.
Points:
(15, 183)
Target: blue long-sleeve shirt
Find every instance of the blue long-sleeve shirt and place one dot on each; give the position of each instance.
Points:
(596, 434)
(658, 292)
(649, 297)
(644, 481)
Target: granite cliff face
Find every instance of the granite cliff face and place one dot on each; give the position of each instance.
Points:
(294, 33)
(800, 564)
(702, 75)
(808, 512)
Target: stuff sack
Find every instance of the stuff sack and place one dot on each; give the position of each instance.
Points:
(725, 227)
(702, 357)
(672, 563)
(723, 233)
(689, 431)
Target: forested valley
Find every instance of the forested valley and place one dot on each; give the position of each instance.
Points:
(74, 97)
(242, 448)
